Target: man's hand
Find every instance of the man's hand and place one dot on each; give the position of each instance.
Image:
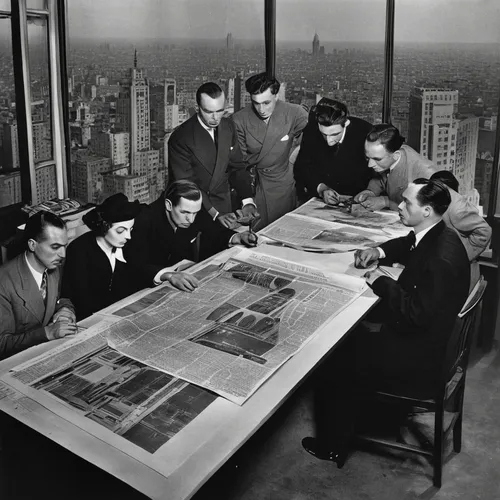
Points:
(363, 196)
(371, 276)
(228, 220)
(182, 281)
(247, 238)
(375, 203)
(64, 314)
(331, 197)
(364, 258)
(250, 210)
(60, 329)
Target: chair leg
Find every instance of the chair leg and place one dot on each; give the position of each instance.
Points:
(438, 447)
(457, 434)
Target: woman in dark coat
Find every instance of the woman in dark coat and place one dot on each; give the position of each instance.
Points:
(95, 272)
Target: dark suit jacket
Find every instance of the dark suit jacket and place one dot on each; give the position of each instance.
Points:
(23, 314)
(155, 245)
(88, 279)
(419, 310)
(344, 169)
(192, 155)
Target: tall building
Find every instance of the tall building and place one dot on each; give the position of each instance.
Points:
(45, 176)
(10, 189)
(87, 177)
(10, 146)
(164, 110)
(433, 126)
(134, 187)
(465, 158)
(229, 42)
(315, 45)
(112, 145)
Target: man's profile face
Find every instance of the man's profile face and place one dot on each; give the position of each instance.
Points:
(332, 133)
(50, 251)
(184, 213)
(264, 103)
(410, 211)
(379, 159)
(211, 110)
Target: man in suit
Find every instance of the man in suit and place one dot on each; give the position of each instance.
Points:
(395, 166)
(464, 218)
(173, 228)
(404, 351)
(204, 150)
(267, 131)
(331, 160)
(30, 309)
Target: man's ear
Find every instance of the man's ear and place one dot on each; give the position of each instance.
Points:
(168, 205)
(396, 155)
(31, 244)
(427, 210)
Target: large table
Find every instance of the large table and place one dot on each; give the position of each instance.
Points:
(193, 455)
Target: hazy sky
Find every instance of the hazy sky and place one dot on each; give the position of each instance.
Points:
(334, 20)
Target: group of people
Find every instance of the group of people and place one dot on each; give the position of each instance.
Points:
(222, 169)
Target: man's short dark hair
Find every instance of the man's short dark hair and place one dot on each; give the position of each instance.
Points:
(257, 84)
(446, 177)
(434, 193)
(182, 189)
(211, 89)
(329, 112)
(388, 135)
(35, 227)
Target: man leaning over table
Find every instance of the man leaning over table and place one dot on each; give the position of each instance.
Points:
(402, 350)
(31, 311)
(395, 166)
(177, 227)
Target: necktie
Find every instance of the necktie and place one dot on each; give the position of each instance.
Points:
(216, 138)
(43, 287)
(411, 240)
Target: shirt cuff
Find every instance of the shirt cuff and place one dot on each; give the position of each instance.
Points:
(231, 244)
(381, 253)
(214, 213)
(248, 201)
(321, 187)
(156, 279)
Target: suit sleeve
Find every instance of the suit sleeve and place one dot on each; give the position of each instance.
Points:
(180, 167)
(239, 176)
(76, 281)
(214, 236)
(415, 310)
(473, 230)
(376, 185)
(12, 342)
(305, 169)
(242, 142)
(300, 121)
(138, 251)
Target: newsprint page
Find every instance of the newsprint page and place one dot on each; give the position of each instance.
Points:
(161, 359)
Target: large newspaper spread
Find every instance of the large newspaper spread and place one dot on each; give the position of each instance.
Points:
(384, 221)
(317, 235)
(239, 326)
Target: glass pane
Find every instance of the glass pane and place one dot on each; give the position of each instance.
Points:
(10, 179)
(123, 108)
(40, 89)
(446, 87)
(36, 4)
(332, 48)
(5, 5)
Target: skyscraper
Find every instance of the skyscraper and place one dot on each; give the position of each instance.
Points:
(315, 45)
(465, 162)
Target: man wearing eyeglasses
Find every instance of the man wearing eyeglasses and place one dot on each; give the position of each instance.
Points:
(331, 162)
(204, 150)
(395, 166)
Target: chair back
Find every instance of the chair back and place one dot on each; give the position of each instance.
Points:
(458, 346)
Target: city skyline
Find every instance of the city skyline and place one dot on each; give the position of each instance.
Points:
(439, 21)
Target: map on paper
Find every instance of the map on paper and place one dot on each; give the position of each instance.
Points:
(88, 379)
(359, 217)
(305, 233)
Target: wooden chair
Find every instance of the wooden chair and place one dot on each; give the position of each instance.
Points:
(449, 392)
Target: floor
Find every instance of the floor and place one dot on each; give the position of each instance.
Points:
(273, 465)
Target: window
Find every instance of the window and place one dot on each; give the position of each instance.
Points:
(128, 91)
(332, 49)
(453, 62)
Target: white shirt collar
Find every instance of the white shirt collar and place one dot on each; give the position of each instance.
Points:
(395, 164)
(112, 256)
(210, 130)
(343, 134)
(421, 234)
(38, 276)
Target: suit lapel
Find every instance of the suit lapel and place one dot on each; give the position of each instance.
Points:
(221, 163)
(275, 129)
(204, 147)
(29, 292)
